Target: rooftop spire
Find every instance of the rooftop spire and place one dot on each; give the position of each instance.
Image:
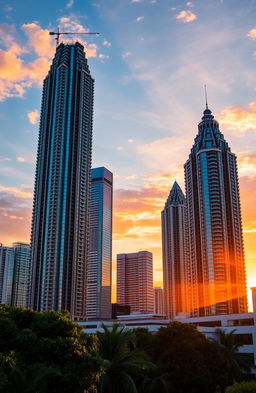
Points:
(206, 100)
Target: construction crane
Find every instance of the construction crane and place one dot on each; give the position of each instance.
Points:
(58, 34)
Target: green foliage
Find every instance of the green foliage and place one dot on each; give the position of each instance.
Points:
(121, 361)
(52, 340)
(242, 387)
(186, 359)
(237, 363)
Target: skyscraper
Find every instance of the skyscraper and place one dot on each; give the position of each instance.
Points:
(158, 300)
(6, 274)
(62, 185)
(135, 281)
(15, 274)
(21, 274)
(173, 239)
(216, 271)
(100, 245)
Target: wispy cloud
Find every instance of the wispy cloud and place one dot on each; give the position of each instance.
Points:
(126, 54)
(106, 43)
(70, 3)
(119, 148)
(20, 159)
(139, 19)
(186, 16)
(33, 116)
(252, 34)
(238, 118)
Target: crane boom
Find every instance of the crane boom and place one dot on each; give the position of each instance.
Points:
(59, 33)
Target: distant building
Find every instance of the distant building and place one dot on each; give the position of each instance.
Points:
(100, 245)
(21, 274)
(120, 309)
(135, 281)
(216, 268)
(174, 251)
(158, 300)
(15, 265)
(60, 224)
(6, 274)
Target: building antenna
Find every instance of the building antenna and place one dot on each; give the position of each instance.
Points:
(58, 34)
(206, 100)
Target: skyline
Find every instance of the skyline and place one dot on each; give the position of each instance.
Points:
(151, 88)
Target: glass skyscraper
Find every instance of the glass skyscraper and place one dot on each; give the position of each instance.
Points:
(173, 239)
(215, 256)
(15, 274)
(100, 245)
(62, 185)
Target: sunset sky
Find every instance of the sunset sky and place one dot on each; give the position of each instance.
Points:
(150, 64)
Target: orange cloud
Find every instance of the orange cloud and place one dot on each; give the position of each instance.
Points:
(33, 116)
(15, 214)
(252, 34)
(240, 119)
(20, 159)
(186, 16)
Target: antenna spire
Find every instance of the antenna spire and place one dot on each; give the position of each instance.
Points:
(206, 100)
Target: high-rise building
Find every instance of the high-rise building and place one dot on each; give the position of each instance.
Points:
(100, 245)
(21, 274)
(15, 274)
(173, 246)
(62, 185)
(215, 256)
(158, 300)
(135, 281)
(6, 274)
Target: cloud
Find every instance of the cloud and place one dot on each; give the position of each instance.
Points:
(140, 18)
(5, 159)
(70, 3)
(135, 1)
(126, 54)
(18, 74)
(238, 118)
(102, 56)
(130, 140)
(186, 16)
(33, 116)
(119, 148)
(132, 177)
(15, 213)
(20, 159)
(106, 43)
(189, 4)
(252, 34)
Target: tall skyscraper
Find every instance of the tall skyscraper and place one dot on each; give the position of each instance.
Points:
(173, 239)
(62, 185)
(100, 245)
(216, 270)
(158, 300)
(135, 281)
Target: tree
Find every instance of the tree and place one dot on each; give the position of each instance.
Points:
(52, 340)
(237, 363)
(188, 361)
(242, 387)
(121, 361)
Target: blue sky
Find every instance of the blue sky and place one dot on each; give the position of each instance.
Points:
(150, 64)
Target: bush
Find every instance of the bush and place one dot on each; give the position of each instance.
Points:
(242, 387)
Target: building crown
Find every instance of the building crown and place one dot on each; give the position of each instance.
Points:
(176, 196)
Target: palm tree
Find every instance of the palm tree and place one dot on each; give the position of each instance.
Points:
(236, 362)
(121, 361)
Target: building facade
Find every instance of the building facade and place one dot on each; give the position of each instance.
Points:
(135, 281)
(6, 274)
(21, 274)
(215, 256)
(158, 300)
(100, 245)
(173, 247)
(62, 185)
(15, 265)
